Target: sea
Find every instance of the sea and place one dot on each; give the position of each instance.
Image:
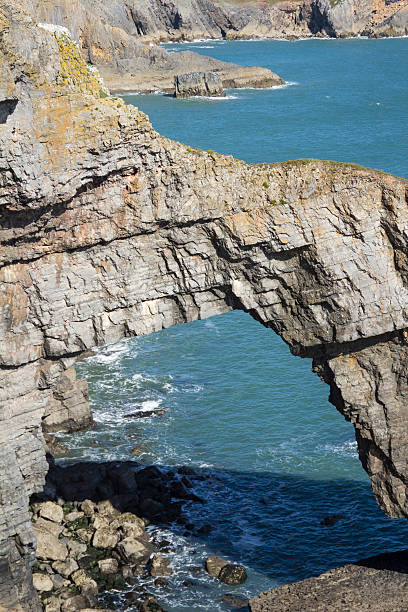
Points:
(240, 409)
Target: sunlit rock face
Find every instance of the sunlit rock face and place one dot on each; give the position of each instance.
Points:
(109, 230)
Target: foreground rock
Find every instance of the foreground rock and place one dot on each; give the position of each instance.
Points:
(198, 84)
(99, 554)
(230, 573)
(378, 584)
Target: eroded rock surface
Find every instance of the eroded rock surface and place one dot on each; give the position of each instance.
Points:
(110, 36)
(378, 584)
(198, 84)
(109, 230)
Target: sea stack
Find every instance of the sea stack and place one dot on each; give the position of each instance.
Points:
(198, 84)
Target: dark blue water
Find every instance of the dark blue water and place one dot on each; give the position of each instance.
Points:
(240, 408)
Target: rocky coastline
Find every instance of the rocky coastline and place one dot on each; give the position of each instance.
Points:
(121, 39)
(93, 548)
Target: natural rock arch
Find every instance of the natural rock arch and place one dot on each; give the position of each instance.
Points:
(109, 230)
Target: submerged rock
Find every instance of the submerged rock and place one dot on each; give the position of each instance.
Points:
(198, 84)
(235, 602)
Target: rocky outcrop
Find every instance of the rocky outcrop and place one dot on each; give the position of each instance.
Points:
(377, 584)
(396, 25)
(109, 37)
(198, 84)
(109, 230)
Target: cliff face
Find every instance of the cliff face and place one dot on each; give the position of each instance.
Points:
(117, 25)
(113, 35)
(109, 230)
(109, 37)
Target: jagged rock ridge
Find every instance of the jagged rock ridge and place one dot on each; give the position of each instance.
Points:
(109, 230)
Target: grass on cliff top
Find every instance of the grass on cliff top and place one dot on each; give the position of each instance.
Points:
(306, 161)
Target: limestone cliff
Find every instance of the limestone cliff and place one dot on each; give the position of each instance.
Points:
(110, 38)
(109, 230)
(117, 26)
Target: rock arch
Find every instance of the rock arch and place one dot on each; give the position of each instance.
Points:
(109, 230)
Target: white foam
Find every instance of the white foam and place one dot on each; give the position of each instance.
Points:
(210, 98)
(110, 354)
(346, 449)
(149, 405)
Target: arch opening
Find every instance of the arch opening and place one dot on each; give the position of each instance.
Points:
(266, 452)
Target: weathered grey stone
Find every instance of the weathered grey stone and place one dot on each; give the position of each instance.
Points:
(76, 549)
(160, 566)
(214, 565)
(59, 582)
(52, 604)
(51, 511)
(105, 538)
(48, 544)
(65, 568)
(133, 550)
(84, 582)
(42, 582)
(198, 84)
(108, 566)
(88, 507)
(74, 604)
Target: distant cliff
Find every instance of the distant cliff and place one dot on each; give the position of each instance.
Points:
(155, 20)
(118, 35)
(109, 230)
(110, 39)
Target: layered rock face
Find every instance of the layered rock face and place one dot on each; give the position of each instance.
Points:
(109, 230)
(115, 26)
(198, 84)
(109, 37)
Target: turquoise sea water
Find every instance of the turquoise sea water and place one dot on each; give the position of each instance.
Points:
(239, 407)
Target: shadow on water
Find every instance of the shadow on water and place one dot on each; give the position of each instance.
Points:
(312, 525)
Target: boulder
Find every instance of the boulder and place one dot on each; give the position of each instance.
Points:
(84, 582)
(73, 516)
(76, 549)
(160, 566)
(52, 604)
(108, 566)
(42, 582)
(59, 582)
(74, 604)
(214, 565)
(105, 538)
(48, 544)
(106, 509)
(133, 550)
(88, 507)
(232, 573)
(65, 568)
(198, 84)
(235, 602)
